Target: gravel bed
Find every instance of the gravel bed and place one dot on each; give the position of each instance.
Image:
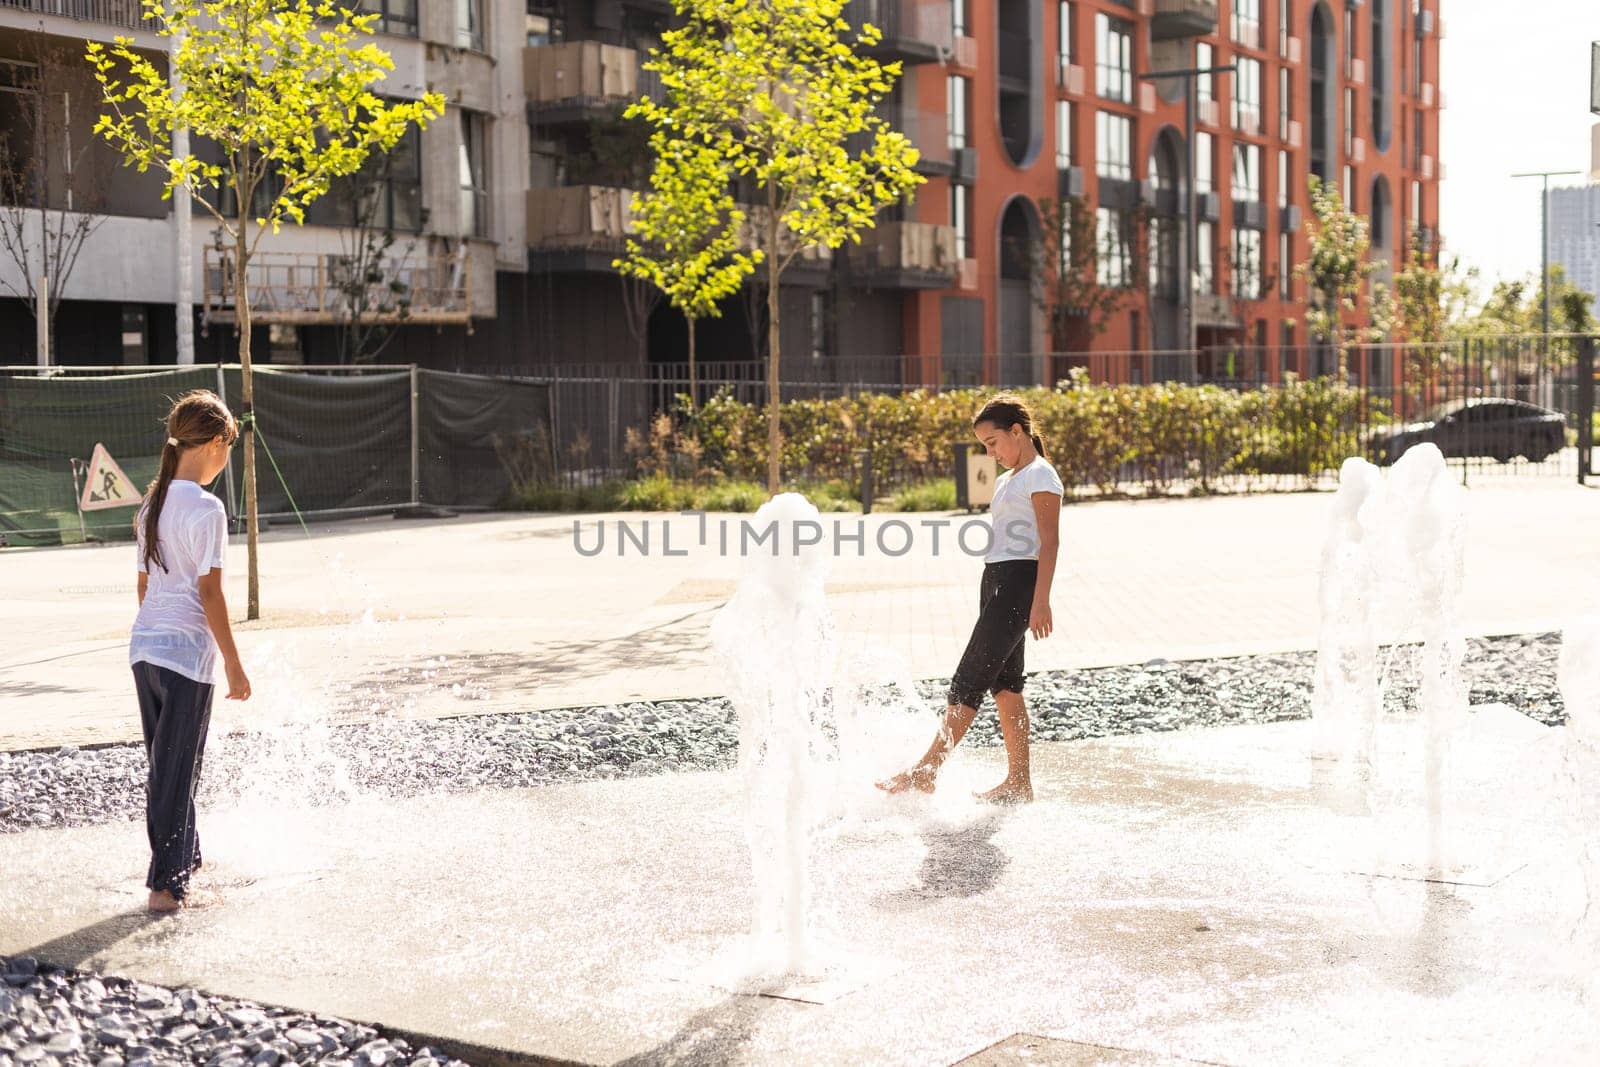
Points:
(403, 757)
(50, 1016)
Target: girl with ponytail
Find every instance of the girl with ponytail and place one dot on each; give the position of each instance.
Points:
(1014, 601)
(181, 632)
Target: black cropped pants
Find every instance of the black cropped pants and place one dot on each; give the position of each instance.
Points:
(175, 712)
(992, 662)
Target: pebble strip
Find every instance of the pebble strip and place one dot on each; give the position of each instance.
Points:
(394, 757)
(50, 1016)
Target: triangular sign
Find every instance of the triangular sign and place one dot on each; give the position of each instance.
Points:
(106, 486)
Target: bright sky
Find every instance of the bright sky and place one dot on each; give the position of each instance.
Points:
(1517, 82)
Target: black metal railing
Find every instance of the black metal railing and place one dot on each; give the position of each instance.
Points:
(128, 14)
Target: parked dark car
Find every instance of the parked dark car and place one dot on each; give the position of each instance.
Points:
(1495, 427)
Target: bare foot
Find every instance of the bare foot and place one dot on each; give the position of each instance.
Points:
(163, 902)
(1008, 792)
(922, 779)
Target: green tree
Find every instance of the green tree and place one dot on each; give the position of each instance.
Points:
(687, 233)
(285, 88)
(1073, 267)
(780, 93)
(1340, 276)
(1515, 307)
(1431, 298)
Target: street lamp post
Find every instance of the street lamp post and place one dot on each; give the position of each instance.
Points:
(1544, 235)
(1190, 228)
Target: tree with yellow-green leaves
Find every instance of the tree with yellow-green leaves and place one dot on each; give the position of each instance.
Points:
(780, 95)
(687, 233)
(285, 89)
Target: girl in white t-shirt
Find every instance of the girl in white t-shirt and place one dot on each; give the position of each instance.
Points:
(1014, 600)
(181, 631)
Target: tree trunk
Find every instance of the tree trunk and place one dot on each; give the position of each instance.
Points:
(241, 307)
(693, 395)
(774, 438)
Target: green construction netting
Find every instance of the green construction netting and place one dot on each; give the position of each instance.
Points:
(337, 440)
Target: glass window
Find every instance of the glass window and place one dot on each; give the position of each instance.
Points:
(1113, 59)
(1416, 136)
(1349, 121)
(1349, 189)
(1349, 41)
(820, 339)
(1111, 237)
(1205, 85)
(1246, 172)
(1285, 102)
(1114, 146)
(469, 24)
(1285, 264)
(1205, 257)
(1285, 178)
(1416, 208)
(1066, 42)
(958, 18)
(960, 209)
(1205, 163)
(474, 176)
(1247, 22)
(385, 194)
(956, 101)
(1380, 211)
(1247, 95)
(1063, 133)
(1285, 26)
(1246, 263)
(398, 17)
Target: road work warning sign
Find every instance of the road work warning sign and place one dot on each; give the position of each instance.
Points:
(105, 486)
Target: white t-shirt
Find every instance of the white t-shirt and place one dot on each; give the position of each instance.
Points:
(171, 629)
(1016, 528)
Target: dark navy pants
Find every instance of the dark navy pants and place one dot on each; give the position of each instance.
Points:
(175, 712)
(992, 662)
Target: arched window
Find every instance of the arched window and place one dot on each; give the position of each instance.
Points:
(1381, 76)
(1324, 95)
(1381, 221)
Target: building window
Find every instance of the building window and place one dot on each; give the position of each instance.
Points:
(1285, 264)
(1247, 95)
(1416, 205)
(1285, 178)
(1349, 122)
(397, 17)
(385, 194)
(1113, 58)
(1246, 173)
(469, 24)
(1417, 148)
(960, 210)
(1285, 102)
(1349, 41)
(1379, 75)
(1205, 163)
(1285, 26)
(1349, 189)
(1205, 257)
(1247, 22)
(474, 176)
(956, 101)
(821, 342)
(1114, 259)
(1381, 210)
(1114, 146)
(1063, 134)
(1066, 35)
(958, 18)
(1246, 263)
(1205, 85)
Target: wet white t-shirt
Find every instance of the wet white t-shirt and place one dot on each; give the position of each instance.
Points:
(1016, 528)
(171, 629)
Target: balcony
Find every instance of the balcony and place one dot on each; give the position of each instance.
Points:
(128, 14)
(575, 82)
(906, 255)
(916, 31)
(1069, 76)
(928, 131)
(1214, 310)
(318, 289)
(1177, 19)
(578, 227)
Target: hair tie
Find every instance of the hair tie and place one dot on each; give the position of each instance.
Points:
(173, 441)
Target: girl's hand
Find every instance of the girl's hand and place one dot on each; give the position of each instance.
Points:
(1040, 621)
(238, 683)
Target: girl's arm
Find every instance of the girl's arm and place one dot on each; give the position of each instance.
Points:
(216, 609)
(1047, 513)
(144, 585)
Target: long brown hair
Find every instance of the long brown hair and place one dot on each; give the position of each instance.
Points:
(196, 418)
(1006, 410)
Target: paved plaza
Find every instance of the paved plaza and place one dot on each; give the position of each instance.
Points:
(502, 613)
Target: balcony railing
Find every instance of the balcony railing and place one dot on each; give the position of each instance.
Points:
(1176, 19)
(129, 14)
(313, 288)
(916, 248)
(579, 217)
(928, 131)
(583, 73)
(914, 28)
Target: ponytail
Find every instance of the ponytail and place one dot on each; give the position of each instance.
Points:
(196, 418)
(154, 497)
(1038, 446)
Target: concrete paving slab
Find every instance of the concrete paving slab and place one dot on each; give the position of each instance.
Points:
(1168, 896)
(501, 613)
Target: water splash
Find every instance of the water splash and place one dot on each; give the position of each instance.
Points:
(1578, 674)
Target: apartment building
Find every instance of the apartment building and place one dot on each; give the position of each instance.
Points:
(451, 195)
